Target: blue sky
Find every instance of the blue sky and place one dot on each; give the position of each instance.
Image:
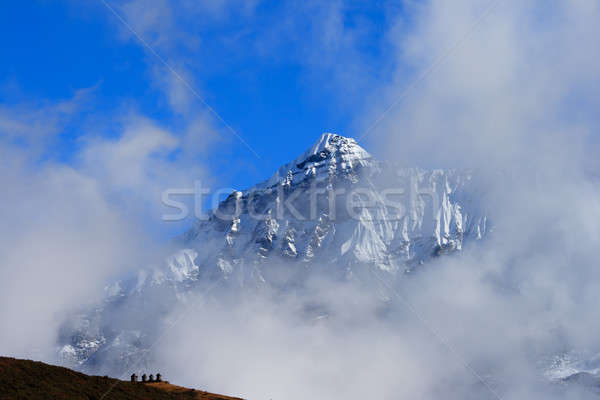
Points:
(262, 69)
(80, 95)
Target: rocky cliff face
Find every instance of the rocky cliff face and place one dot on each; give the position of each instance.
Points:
(334, 210)
(335, 205)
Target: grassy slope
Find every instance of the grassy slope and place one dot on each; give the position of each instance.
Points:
(24, 379)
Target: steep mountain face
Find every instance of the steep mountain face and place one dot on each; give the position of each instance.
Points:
(334, 210)
(335, 205)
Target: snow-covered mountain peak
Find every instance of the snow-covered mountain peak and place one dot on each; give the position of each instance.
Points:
(329, 155)
(330, 144)
(333, 210)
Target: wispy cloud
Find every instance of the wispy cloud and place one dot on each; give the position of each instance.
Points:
(70, 228)
(36, 124)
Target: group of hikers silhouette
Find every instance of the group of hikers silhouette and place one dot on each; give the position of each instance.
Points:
(146, 378)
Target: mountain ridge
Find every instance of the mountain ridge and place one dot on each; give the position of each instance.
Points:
(334, 210)
(32, 380)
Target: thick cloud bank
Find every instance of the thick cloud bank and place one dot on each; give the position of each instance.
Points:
(69, 229)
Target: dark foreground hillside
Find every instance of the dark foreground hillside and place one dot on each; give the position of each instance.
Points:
(25, 379)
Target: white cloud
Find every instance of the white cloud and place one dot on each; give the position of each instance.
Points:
(511, 86)
(68, 230)
(36, 124)
(60, 241)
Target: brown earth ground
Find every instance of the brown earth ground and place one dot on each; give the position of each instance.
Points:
(201, 395)
(33, 380)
